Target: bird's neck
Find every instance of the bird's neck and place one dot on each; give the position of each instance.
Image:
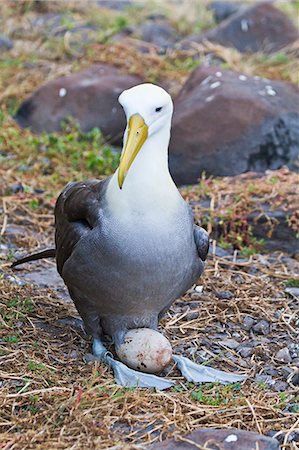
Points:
(148, 187)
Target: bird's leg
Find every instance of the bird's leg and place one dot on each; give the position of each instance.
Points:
(125, 376)
(199, 373)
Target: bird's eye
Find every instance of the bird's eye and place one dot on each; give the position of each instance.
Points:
(159, 109)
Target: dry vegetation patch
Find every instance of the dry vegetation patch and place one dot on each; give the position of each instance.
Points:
(50, 396)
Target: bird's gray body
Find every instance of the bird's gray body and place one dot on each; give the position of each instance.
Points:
(123, 275)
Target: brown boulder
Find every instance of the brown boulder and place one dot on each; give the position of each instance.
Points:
(226, 123)
(261, 27)
(89, 96)
(216, 439)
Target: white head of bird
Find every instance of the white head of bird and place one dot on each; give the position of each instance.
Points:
(143, 175)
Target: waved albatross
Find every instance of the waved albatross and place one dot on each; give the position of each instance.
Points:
(127, 247)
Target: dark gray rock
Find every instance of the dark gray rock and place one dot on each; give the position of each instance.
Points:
(262, 327)
(118, 5)
(248, 323)
(222, 9)
(159, 32)
(283, 238)
(226, 123)
(283, 355)
(245, 351)
(224, 295)
(260, 28)
(89, 96)
(264, 380)
(295, 379)
(5, 43)
(281, 386)
(220, 252)
(16, 188)
(230, 343)
(214, 439)
(293, 291)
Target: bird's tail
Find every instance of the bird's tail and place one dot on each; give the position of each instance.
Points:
(50, 253)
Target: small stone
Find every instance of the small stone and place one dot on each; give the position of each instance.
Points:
(16, 188)
(224, 295)
(262, 327)
(15, 280)
(280, 386)
(294, 350)
(293, 291)
(73, 354)
(245, 352)
(199, 289)
(295, 379)
(248, 323)
(230, 343)
(220, 252)
(192, 315)
(270, 370)
(238, 279)
(286, 371)
(265, 379)
(284, 355)
(5, 43)
(89, 357)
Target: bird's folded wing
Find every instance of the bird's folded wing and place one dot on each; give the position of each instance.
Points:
(77, 212)
(201, 238)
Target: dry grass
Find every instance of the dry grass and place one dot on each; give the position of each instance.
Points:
(50, 397)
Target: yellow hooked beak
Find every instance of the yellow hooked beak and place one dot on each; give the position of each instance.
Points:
(137, 134)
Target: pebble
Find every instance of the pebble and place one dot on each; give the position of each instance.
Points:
(295, 379)
(16, 188)
(220, 252)
(248, 323)
(294, 291)
(230, 343)
(238, 279)
(15, 280)
(89, 357)
(73, 354)
(286, 371)
(270, 370)
(5, 43)
(199, 289)
(245, 352)
(294, 350)
(224, 295)
(280, 386)
(262, 327)
(284, 355)
(192, 315)
(267, 379)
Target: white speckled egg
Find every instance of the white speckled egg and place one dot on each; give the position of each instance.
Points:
(145, 350)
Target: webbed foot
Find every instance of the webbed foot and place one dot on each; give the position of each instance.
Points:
(198, 373)
(124, 376)
(132, 378)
